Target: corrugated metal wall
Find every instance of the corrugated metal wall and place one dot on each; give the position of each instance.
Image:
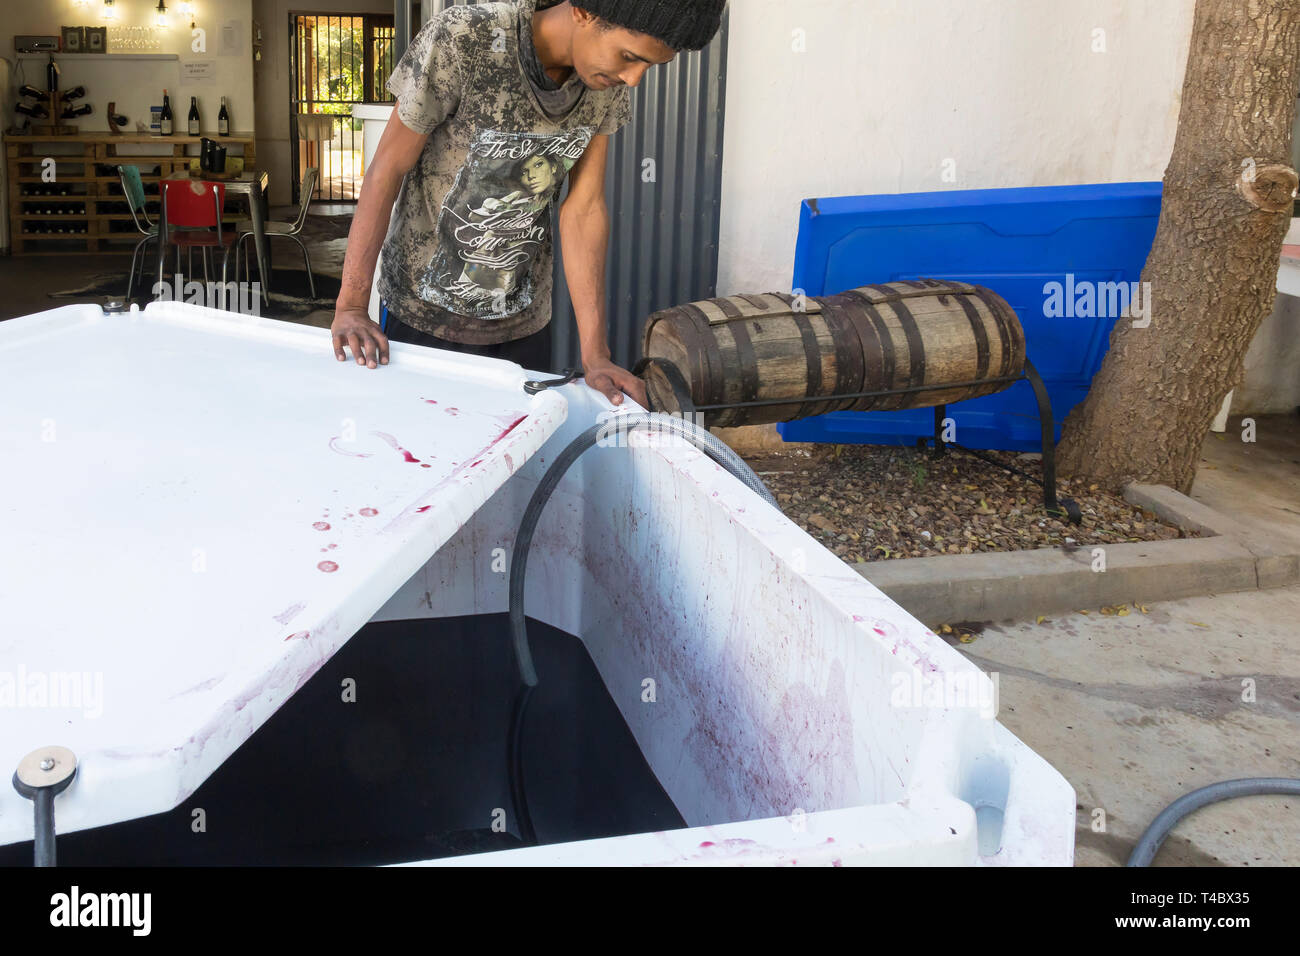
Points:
(663, 234)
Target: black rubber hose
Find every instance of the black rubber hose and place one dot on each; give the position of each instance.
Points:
(1149, 844)
(618, 425)
(516, 747)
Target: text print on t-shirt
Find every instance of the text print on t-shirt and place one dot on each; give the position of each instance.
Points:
(495, 219)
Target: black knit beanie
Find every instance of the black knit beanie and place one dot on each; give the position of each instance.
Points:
(680, 24)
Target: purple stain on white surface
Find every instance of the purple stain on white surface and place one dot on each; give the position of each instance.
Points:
(299, 636)
(369, 512)
(453, 411)
(396, 447)
(321, 526)
(289, 613)
(204, 685)
(328, 566)
(350, 454)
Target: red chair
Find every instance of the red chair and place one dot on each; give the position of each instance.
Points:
(191, 210)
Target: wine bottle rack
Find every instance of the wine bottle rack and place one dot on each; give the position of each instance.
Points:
(84, 210)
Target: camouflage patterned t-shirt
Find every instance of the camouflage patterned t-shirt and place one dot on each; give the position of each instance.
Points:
(468, 254)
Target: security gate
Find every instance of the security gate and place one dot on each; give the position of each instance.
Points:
(336, 61)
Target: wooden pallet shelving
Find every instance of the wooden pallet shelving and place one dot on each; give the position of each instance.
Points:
(88, 195)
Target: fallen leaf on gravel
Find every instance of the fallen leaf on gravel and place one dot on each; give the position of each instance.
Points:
(817, 521)
(1041, 618)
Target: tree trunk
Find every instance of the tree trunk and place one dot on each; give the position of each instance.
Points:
(1212, 272)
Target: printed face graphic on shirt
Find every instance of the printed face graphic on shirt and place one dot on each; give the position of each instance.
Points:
(496, 218)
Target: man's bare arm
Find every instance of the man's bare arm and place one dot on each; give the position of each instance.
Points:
(584, 234)
(398, 151)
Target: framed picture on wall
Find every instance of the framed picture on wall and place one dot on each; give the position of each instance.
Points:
(96, 39)
(72, 39)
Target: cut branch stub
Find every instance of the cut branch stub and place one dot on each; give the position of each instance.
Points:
(1272, 188)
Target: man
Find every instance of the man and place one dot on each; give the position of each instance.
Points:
(496, 104)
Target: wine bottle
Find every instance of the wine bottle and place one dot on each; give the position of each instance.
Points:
(223, 120)
(28, 90)
(36, 111)
(165, 120)
(76, 93)
(72, 112)
(194, 116)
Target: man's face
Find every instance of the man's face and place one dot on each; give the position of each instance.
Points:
(605, 56)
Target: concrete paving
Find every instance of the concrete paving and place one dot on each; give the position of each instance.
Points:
(1138, 710)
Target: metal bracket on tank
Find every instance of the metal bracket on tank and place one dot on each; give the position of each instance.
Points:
(41, 776)
(570, 375)
(115, 307)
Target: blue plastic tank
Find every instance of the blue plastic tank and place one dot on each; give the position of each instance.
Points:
(1013, 241)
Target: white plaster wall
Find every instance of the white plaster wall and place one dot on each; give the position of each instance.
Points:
(887, 90)
(1271, 382)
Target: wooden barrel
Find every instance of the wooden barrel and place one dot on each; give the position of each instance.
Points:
(956, 339)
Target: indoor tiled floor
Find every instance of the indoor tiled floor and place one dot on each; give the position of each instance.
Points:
(27, 281)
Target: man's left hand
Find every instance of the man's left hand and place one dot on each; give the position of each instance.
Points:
(612, 381)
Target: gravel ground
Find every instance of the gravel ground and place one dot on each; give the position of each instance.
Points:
(873, 502)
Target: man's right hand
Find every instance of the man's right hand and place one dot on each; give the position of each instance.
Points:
(353, 329)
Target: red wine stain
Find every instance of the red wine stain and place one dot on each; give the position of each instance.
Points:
(328, 566)
(426, 466)
(453, 411)
(429, 401)
(300, 635)
(321, 526)
(420, 511)
(396, 447)
(369, 512)
(511, 422)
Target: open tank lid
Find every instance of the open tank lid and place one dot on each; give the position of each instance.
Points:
(197, 509)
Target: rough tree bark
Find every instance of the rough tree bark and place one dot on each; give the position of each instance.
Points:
(1228, 195)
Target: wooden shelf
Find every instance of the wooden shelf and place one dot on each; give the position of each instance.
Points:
(100, 56)
(25, 150)
(105, 137)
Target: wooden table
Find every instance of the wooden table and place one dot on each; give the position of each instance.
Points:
(255, 185)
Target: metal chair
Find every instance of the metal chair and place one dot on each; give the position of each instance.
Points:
(288, 230)
(191, 210)
(133, 190)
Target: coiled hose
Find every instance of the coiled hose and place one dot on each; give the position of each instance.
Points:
(616, 428)
(1149, 844)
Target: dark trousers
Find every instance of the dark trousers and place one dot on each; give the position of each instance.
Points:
(533, 352)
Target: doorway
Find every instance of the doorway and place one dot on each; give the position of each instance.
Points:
(336, 62)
